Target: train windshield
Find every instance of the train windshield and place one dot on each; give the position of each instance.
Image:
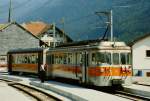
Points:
(100, 58)
(104, 58)
(115, 58)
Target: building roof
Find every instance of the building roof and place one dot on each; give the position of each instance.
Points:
(4, 26)
(36, 28)
(27, 50)
(7, 25)
(138, 39)
(39, 28)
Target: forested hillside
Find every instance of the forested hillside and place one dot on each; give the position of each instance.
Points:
(131, 17)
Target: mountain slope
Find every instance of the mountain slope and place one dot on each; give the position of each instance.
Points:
(81, 23)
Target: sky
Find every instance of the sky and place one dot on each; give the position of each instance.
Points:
(79, 15)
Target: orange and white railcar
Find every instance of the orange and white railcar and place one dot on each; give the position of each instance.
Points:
(101, 63)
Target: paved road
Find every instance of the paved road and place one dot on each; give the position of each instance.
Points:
(10, 94)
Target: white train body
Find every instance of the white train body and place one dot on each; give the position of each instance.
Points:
(101, 64)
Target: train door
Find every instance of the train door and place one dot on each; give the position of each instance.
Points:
(81, 69)
(40, 60)
(9, 62)
(85, 68)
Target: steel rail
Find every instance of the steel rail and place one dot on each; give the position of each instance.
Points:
(35, 93)
(131, 96)
(142, 84)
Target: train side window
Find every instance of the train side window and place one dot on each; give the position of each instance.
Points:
(52, 59)
(14, 59)
(93, 59)
(34, 59)
(115, 58)
(70, 58)
(19, 59)
(25, 59)
(28, 59)
(37, 58)
(48, 59)
(60, 59)
(79, 58)
(56, 59)
(65, 58)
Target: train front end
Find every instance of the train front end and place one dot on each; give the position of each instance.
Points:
(110, 64)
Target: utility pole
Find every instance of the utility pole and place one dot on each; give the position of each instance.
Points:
(54, 35)
(9, 16)
(63, 30)
(111, 25)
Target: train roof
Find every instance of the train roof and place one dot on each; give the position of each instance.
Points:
(79, 43)
(108, 45)
(93, 42)
(21, 50)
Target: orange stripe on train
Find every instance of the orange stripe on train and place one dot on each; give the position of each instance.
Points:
(108, 71)
(25, 67)
(93, 71)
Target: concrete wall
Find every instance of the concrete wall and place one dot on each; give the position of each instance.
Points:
(139, 59)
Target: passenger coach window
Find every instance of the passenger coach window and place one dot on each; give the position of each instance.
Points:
(56, 59)
(62, 58)
(79, 58)
(93, 59)
(70, 58)
(48, 59)
(115, 58)
(65, 58)
(25, 58)
(52, 59)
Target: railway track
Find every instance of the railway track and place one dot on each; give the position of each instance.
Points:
(42, 96)
(3, 73)
(131, 96)
(142, 84)
(34, 93)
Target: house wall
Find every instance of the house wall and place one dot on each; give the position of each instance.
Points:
(14, 37)
(140, 61)
(49, 39)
